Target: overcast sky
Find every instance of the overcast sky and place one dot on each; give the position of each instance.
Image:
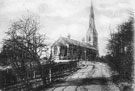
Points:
(60, 17)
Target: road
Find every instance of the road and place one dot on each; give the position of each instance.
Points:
(91, 77)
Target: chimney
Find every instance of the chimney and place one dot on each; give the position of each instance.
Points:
(69, 36)
(83, 39)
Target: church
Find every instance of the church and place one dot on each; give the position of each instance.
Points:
(67, 49)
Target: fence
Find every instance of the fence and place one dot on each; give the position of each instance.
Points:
(51, 73)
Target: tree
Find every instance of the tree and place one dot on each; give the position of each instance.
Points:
(24, 46)
(120, 49)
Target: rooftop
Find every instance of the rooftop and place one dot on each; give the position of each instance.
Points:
(62, 41)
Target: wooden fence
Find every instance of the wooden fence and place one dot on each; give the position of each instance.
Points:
(51, 73)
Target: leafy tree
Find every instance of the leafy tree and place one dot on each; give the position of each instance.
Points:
(120, 48)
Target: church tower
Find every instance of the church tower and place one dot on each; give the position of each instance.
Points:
(91, 34)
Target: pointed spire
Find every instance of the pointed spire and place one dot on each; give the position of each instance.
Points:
(91, 35)
(91, 17)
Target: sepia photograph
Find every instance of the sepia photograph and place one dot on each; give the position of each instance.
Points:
(67, 45)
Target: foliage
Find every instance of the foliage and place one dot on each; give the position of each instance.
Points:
(120, 49)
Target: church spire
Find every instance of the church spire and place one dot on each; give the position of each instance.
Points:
(91, 35)
(91, 17)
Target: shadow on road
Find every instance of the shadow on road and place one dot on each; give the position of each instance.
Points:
(78, 82)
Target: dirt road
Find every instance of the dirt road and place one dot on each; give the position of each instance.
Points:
(88, 78)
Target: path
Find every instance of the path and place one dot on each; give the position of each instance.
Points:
(91, 77)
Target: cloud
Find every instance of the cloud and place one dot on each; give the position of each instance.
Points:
(60, 17)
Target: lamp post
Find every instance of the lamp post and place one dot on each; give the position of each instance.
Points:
(67, 51)
(85, 56)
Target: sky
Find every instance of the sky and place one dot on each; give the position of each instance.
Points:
(62, 17)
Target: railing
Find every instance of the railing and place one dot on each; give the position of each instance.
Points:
(51, 73)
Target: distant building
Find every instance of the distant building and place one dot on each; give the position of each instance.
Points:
(65, 49)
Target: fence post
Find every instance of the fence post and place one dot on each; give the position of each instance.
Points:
(34, 76)
(50, 76)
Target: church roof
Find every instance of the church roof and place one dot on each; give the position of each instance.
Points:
(62, 41)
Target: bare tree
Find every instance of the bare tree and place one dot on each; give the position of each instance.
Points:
(25, 46)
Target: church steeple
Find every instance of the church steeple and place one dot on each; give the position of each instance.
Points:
(91, 35)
